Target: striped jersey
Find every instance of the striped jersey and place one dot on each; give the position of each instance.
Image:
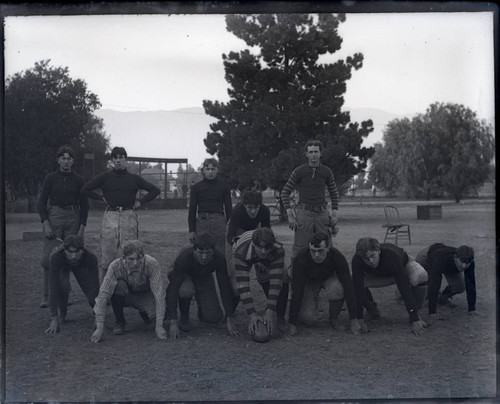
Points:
(269, 269)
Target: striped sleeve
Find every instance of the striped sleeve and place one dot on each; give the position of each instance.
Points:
(333, 191)
(290, 185)
(276, 273)
(157, 284)
(243, 282)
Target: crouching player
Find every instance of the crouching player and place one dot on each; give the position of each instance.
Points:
(200, 271)
(134, 280)
(318, 267)
(378, 265)
(258, 249)
(458, 267)
(72, 257)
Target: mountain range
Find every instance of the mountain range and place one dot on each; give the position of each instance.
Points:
(179, 133)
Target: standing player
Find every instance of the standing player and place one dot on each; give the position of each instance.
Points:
(210, 205)
(63, 210)
(312, 214)
(119, 189)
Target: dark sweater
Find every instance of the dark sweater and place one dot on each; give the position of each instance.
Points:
(86, 273)
(186, 265)
(441, 262)
(241, 222)
(63, 189)
(306, 271)
(310, 183)
(392, 263)
(209, 196)
(119, 188)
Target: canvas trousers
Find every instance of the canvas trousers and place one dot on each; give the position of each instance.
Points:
(117, 228)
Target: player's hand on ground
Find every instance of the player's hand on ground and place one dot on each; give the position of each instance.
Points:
(293, 330)
(192, 236)
(363, 325)
(231, 329)
(269, 320)
(137, 205)
(97, 334)
(47, 230)
(418, 327)
(252, 323)
(173, 330)
(435, 316)
(54, 326)
(160, 332)
(356, 327)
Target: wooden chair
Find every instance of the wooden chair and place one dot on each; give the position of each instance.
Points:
(395, 229)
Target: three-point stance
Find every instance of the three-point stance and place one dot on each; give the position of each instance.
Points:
(134, 280)
(378, 265)
(72, 257)
(258, 249)
(458, 267)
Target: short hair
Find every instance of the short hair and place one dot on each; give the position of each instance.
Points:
(252, 198)
(314, 142)
(367, 244)
(317, 238)
(211, 160)
(264, 236)
(204, 241)
(73, 240)
(65, 149)
(465, 253)
(133, 246)
(118, 151)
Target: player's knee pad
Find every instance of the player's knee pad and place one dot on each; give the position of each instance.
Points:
(334, 289)
(416, 273)
(186, 289)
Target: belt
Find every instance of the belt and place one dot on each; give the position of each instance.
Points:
(118, 208)
(312, 207)
(208, 215)
(68, 207)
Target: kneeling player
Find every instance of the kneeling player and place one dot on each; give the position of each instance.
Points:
(200, 271)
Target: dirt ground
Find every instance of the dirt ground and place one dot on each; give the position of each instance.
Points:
(456, 358)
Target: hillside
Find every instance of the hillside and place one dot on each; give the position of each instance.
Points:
(180, 133)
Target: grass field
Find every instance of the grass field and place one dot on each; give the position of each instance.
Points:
(456, 358)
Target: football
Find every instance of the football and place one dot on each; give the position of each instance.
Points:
(261, 334)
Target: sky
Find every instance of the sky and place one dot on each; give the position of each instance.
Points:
(167, 62)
